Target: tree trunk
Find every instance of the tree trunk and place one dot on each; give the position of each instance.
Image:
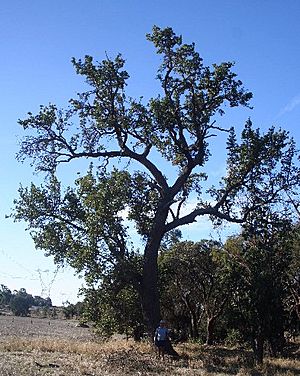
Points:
(150, 292)
(210, 325)
(277, 342)
(193, 318)
(258, 348)
(194, 326)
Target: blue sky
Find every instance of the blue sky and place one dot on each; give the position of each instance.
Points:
(38, 39)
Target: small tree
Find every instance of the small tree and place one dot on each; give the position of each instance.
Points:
(69, 310)
(5, 295)
(21, 302)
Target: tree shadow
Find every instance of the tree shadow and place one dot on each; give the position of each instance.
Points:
(292, 350)
(231, 360)
(226, 360)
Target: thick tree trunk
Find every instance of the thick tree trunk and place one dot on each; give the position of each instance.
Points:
(150, 292)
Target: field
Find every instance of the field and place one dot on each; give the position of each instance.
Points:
(35, 347)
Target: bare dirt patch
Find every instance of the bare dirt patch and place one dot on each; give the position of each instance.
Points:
(36, 327)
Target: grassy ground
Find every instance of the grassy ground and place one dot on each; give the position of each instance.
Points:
(57, 347)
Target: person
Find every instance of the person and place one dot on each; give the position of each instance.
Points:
(161, 337)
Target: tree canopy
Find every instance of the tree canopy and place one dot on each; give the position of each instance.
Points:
(171, 132)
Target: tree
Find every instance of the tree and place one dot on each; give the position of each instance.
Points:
(41, 302)
(20, 302)
(70, 310)
(113, 303)
(263, 253)
(195, 278)
(5, 295)
(292, 298)
(114, 310)
(166, 137)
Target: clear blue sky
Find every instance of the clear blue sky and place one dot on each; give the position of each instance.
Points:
(38, 39)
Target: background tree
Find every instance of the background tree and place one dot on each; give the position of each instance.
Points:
(196, 283)
(292, 298)
(41, 302)
(263, 254)
(73, 310)
(165, 142)
(5, 295)
(20, 302)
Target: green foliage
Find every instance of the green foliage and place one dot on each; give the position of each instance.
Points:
(20, 303)
(161, 147)
(82, 226)
(41, 302)
(293, 287)
(196, 284)
(234, 337)
(5, 295)
(73, 310)
(113, 310)
(193, 95)
(263, 255)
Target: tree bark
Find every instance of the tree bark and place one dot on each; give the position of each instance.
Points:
(258, 348)
(193, 318)
(194, 326)
(210, 324)
(150, 292)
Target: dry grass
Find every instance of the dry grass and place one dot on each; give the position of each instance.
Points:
(60, 348)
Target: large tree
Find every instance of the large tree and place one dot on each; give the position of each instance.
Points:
(164, 146)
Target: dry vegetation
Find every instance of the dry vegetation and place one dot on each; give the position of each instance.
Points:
(35, 347)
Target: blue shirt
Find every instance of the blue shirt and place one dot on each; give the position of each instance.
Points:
(161, 333)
